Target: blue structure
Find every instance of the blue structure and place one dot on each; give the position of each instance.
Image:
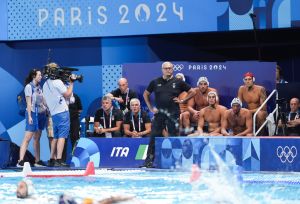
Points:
(5, 153)
(252, 154)
(110, 152)
(100, 37)
(30, 20)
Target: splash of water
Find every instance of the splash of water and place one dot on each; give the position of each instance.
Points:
(221, 185)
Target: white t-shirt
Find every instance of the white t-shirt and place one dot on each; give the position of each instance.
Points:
(36, 97)
(53, 93)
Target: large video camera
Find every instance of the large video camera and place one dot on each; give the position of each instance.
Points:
(53, 71)
(282, 104)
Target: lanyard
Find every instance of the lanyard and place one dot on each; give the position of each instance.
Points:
(110, 116)
(35, 90)
(132, 120)
(127, 99)
(296, 116)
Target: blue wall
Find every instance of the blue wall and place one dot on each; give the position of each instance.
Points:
(30, 19)
(88, 55)
(17, 58)
(252, 154)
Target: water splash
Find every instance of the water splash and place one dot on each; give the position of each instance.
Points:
(222, 184)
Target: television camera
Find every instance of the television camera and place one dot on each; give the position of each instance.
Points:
(53, 71)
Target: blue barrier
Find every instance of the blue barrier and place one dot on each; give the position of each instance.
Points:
(5, 150)
(110, 152)
(252, 154)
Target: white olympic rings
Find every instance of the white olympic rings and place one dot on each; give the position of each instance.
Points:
(178, 67)
(286, 154)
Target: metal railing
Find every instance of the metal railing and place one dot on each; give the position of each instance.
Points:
(255, 114)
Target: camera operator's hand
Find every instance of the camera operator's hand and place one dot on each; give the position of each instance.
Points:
(72, 78)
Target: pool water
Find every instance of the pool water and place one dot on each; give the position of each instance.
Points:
(159, 186)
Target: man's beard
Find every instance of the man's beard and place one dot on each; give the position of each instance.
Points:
(124, 91)
(236, 113)
(250, 87)
(203, 92)
(213, 105)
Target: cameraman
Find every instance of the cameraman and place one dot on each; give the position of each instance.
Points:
(56, 93)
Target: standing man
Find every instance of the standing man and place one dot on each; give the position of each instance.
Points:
(199, 101)
(123, 95)
(56, 93)
(166, 113)
(237, 121)
(254, 96)
(209, 123)
(279, 76)
(75, 110)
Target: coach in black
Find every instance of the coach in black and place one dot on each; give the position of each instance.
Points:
(137, 122)
(123, 95)
(166, 113)
(108, 120)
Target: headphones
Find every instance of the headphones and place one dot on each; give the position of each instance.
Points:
(253, 79)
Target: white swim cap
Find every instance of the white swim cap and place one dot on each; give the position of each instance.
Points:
(203, 79)
(236, 101)
(181, 75)
(214, 93)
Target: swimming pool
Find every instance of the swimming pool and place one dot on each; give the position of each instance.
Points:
(161, 186)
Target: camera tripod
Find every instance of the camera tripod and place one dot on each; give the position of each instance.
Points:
(281, 117)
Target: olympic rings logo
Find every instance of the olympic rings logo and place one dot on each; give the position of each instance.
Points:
(286, 154)
(178, 67)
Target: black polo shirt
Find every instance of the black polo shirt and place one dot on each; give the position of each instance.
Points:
(116, 115)
(293, 131)
(117, 93)
(75, 107)
(144, 118)
(165, 91)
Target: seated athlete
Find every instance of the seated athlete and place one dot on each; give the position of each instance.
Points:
(212, 115)
(199, 101)
(253, 95)
(237, 120)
